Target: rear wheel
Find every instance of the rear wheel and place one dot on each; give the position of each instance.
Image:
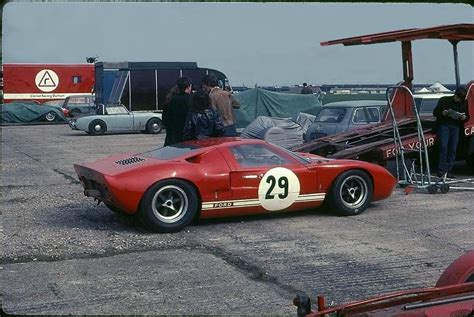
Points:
(97, 127)
(351, 193)
(154, 126)
(169, 206)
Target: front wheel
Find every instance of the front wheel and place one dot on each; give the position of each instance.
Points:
(351, 193)
(97, 127)
(154, 126)
(169, 206)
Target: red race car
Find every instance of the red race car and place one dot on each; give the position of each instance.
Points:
(170, 186)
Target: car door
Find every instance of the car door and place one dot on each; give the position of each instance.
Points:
(264, 177)
(118, 118)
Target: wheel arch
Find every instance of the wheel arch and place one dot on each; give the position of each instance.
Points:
(361, 169)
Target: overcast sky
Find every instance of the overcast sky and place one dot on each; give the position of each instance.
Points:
(252, 43)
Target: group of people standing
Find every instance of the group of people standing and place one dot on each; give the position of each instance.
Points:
(205, 113)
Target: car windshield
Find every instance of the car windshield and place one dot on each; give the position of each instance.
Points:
(171, 152)
(331, 115)
(296, 156)
(116, 109)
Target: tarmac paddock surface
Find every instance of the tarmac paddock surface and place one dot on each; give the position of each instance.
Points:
(64, 254)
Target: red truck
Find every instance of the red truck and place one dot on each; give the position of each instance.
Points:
(45, 82)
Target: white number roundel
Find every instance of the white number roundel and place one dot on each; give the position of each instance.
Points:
(46, 80)
(278, 189)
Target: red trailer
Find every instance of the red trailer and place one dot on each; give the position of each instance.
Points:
(45, 82)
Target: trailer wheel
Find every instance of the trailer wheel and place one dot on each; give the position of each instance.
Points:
(97, 127)
(351, 193)
(444, 188)
(432, 189)
(303, 302)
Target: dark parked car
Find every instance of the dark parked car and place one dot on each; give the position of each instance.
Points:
(75, 106)
(29, 112)
(341, 116)
(428, 101)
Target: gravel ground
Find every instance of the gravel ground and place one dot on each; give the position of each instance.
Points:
(63, 254)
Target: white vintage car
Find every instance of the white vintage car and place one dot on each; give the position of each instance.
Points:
(116, 118)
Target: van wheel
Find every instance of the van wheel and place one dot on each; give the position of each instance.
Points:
(97, 127)
(351, 193)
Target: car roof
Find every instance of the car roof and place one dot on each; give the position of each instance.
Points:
(356, 103)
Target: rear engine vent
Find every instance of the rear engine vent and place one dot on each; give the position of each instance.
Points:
(130, 160)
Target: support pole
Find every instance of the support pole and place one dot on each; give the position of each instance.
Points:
(456, 63)
(407, 61)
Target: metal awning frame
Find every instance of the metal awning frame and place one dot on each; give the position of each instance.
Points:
(453, 33)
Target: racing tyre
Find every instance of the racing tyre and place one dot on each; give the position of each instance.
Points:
(154, 126)
(351, 192)
(169, 206)
(50, 116)
(97, 127)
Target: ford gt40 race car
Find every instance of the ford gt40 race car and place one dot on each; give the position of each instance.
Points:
(170, 186)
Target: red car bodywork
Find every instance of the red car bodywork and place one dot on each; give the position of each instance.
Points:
(452, 296)
(224, 187)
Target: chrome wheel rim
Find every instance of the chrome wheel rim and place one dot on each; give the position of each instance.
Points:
(155, 126)
(98, 127)
(353, 192)
(170, 204)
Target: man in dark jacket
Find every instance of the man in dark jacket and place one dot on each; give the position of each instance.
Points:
(450, 113)
(176, 111)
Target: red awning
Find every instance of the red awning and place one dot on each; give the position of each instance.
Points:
(454, 32)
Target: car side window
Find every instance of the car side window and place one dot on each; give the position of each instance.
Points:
(256, 155)
(373, 114)
(359, 116)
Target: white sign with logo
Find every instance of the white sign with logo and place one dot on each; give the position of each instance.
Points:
(47, 80)
(278, 189)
